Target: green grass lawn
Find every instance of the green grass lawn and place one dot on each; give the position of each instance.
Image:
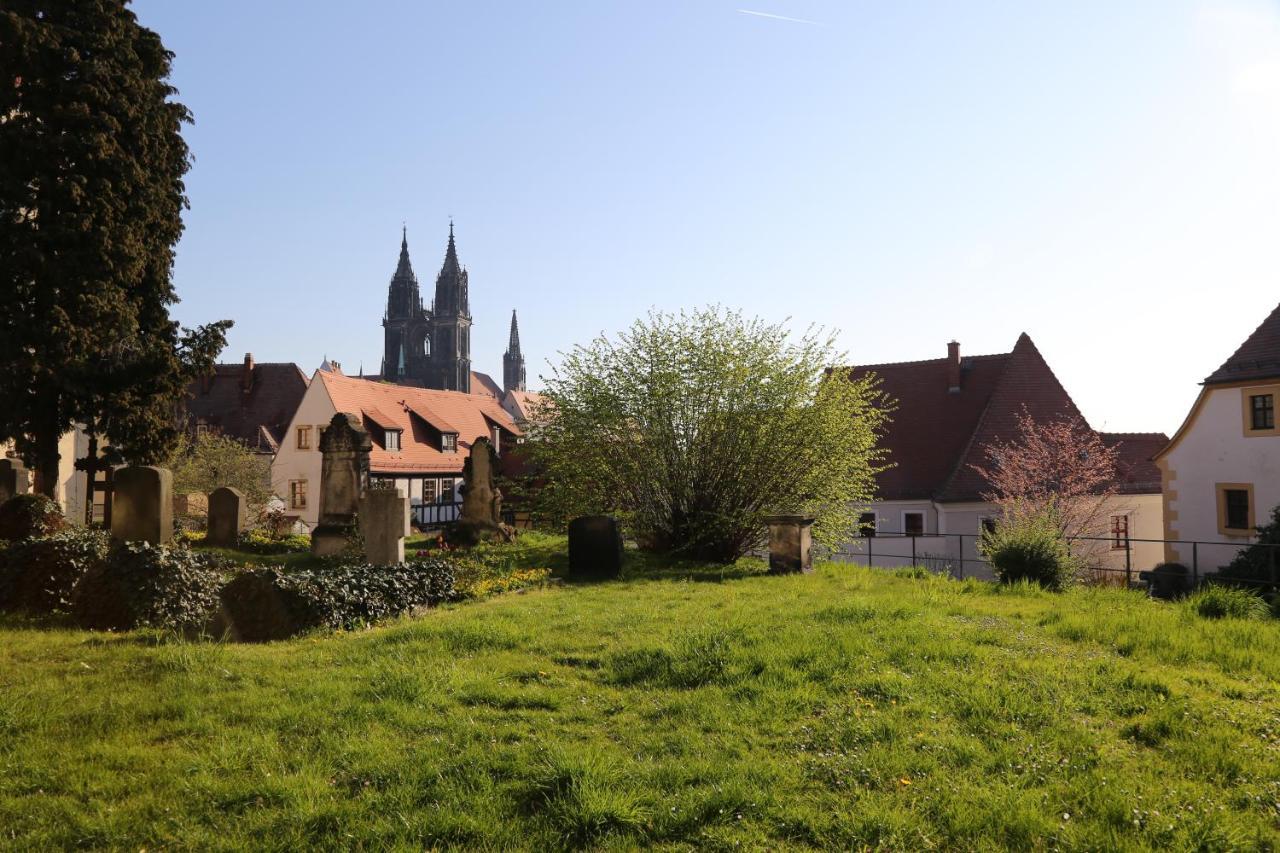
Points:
(848, 708)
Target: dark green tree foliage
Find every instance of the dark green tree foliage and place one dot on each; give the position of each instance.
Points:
(91, 197)
(1260, 562)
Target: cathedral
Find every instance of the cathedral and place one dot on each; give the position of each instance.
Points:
(431, 347)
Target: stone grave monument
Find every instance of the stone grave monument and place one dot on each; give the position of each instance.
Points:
(481, 517)
(344, 477)
(382, 513)
(790, 543)
(226, 517)
(595, 548)
(142, 504)
(13, 479)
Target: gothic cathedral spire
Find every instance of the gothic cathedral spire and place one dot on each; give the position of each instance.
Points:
(513, 360)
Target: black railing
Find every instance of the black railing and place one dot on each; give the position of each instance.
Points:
(959, 564)
(435, 514)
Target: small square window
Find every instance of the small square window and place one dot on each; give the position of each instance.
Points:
(449, 442)
(304, 438)
(1236, 508)
(987, 525)
(867, 524)
(913, 523)
(297, 494)
(1119, 532)
(1262, 412)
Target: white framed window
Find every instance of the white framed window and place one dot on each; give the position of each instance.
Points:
(391, 439)
(868, 523)
(913, 523)
(449, 442)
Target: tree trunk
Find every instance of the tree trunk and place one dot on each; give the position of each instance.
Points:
(46, 464)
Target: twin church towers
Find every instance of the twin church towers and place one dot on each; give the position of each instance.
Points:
(431, 347)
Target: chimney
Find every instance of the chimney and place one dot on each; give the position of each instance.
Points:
(246, 376)
(953, 367)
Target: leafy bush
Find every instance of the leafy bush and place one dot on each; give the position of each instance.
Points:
(269, 604)
(145, 585)
(262, 542)
(1030, 546)
(1255, 564)
(40, 575)
(1227, 602)
(29, 516)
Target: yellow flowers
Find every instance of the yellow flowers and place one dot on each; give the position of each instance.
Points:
(480, 587)
(904, 781)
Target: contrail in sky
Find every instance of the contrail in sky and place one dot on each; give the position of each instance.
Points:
(777, 17)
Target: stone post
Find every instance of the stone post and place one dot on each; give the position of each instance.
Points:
(382, 526)
(226, 517)
(344, 477)
(142, 504)
(595, 547)
(790, 543)
(13, 479)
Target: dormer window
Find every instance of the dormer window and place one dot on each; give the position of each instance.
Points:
(449, 442)
(391, 439)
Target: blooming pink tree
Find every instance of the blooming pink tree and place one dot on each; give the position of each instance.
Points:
(1060, 467)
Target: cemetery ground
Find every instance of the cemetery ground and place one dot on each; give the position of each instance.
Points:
(682, 706)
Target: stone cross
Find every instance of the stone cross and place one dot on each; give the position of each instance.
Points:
(382, 526)
(13, 479)
(344, 477)
(226, 517)
(790, 543)
(142, 504)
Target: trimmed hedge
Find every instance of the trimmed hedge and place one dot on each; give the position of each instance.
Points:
(29, 517)
(145, 585)
(269, 604)
(40, 575)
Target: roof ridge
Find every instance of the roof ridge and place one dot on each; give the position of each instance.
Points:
(981, 357)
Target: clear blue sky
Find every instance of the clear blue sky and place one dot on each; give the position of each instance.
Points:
(1102, 174)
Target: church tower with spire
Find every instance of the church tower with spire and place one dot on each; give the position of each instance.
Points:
(449, 367)
(513, 360)
(405, 326)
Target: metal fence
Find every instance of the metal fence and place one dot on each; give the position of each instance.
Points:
(435, 514)
(958, 555)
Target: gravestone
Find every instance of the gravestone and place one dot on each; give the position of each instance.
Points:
(595, 547)
(481, 516)
(382, 526)
(344, 477)
(13, 479)
(142, 504)
(226, 517)
(790, 543)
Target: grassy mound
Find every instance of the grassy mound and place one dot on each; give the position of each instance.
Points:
(848, 708)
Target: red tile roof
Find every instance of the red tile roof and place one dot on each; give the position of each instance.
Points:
(1257, 358)
(937, 435)
(482, 383)
(414, 411)
(259, 417)
(1136, 471)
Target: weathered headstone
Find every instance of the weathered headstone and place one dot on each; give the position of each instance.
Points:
(382, 526)
(226, 516)
(13, 479)
(595, 547)
(481, 516)
(142, 504)
(790, 543)
(344, 476)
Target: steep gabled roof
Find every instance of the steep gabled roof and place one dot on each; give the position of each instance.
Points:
(469, 415)
(1257, 358)
(259, 416)
(482, 383)
(937, 435)
(1026, 383)
(931, 426)
(1136, 471)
